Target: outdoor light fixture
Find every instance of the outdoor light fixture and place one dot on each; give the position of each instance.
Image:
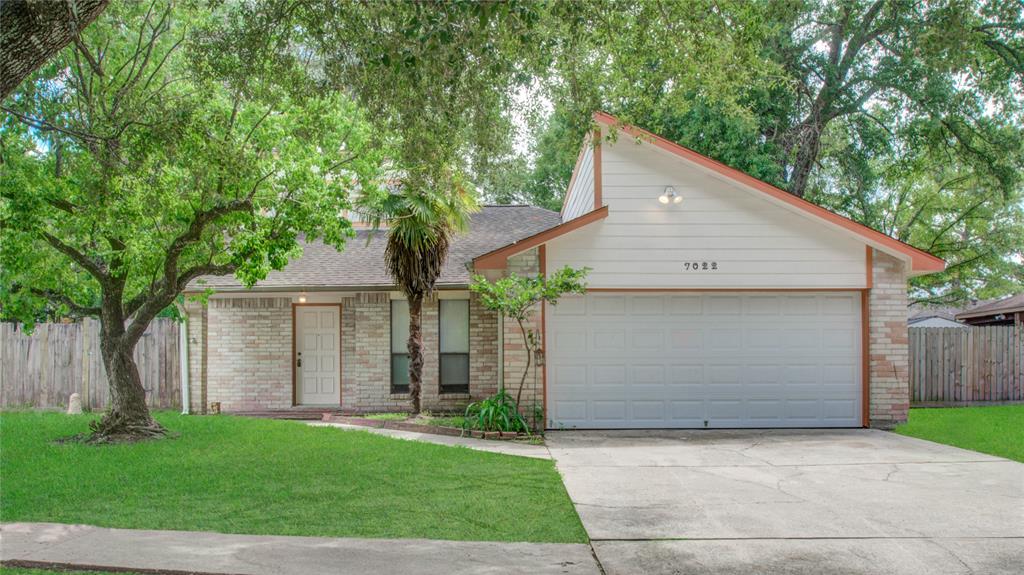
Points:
(669, 196)
(302, 298)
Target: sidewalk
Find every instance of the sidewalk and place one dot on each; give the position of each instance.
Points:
(519, 448)
(90, 547)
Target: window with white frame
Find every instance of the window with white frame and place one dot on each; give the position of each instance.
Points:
(453, 319)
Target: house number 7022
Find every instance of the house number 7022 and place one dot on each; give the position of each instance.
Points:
(700, 266)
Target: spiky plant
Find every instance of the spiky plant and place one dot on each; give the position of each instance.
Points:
(423, 214)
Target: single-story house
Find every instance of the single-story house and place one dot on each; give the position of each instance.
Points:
(1005, 311)
(715, 300)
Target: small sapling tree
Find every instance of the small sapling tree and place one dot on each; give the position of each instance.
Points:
(516, 297)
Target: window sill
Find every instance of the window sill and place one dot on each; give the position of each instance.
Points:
(455, 395)
(399, 396)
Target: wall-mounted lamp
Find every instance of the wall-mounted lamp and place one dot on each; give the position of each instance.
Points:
(669, 196)
(302, 298)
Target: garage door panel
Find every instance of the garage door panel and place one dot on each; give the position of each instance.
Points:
(652, 411)
(705, 360)
(722, 305)
(648, 305)
(605, 305)
(685, 305)
(763, 305)
(608, 410)
(605, 339)
(647, 341)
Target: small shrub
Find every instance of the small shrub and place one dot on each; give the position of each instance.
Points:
(496, 413)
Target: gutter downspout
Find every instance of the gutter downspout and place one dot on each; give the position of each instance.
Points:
(183, 360)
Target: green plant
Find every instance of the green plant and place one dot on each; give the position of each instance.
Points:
(423, 214)
(516, 297)
(496, 413)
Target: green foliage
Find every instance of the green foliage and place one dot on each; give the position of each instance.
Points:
(422, 213)
(496, 413)
(128, 178)
(516, 296)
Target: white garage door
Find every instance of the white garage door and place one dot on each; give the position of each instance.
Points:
(621, 360)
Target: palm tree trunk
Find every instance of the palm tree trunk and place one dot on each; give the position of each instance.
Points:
(415, 347)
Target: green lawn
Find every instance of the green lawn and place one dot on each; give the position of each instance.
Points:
(240, 475)
(996, 430)
(27, 571)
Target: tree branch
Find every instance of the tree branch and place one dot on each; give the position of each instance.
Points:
(67, 301)
(78, 257)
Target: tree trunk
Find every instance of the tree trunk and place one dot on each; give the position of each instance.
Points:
(529, 361)
(415, 347)
(128, 418)
(32, 31)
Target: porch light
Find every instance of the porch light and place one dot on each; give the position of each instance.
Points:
(302, 298)
(669, 196)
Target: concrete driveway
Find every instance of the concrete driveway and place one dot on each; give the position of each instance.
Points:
(817, 501)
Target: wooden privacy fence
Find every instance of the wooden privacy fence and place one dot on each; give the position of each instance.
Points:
(969, 365)
(44, 368)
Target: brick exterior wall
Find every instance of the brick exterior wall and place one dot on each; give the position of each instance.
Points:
(249, 351)
(526, 264)
(889, 368)
(240, 355)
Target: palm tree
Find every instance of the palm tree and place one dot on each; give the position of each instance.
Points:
(423, 215)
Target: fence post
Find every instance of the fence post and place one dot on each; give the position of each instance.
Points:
(86, 399)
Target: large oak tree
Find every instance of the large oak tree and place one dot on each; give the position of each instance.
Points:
(131, 166)
(33, 31)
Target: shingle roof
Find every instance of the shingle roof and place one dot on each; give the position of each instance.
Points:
(1010, 304)
(361, 263)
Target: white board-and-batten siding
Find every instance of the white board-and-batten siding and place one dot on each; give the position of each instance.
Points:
(753, 242)
(581, 192)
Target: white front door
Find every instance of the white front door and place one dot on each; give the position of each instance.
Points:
(317, 355)
(626, 360)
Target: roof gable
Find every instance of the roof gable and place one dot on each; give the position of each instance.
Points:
(920, 261)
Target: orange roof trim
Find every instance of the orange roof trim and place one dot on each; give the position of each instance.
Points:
(498, 259)
(921, 261)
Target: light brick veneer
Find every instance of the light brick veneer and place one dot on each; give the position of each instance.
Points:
(889, 368)
(249, 353)
(240, 355)
(526, 264)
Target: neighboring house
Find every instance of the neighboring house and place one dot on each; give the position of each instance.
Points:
(715, 300)
(934, 316)
(1006, 311)
(934, 322)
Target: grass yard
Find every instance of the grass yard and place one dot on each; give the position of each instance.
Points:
(996, 430)
(240, 475)
(27, 571)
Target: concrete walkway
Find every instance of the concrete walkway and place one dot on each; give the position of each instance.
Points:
(791, 501)
(519, 448)
(82, 546)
